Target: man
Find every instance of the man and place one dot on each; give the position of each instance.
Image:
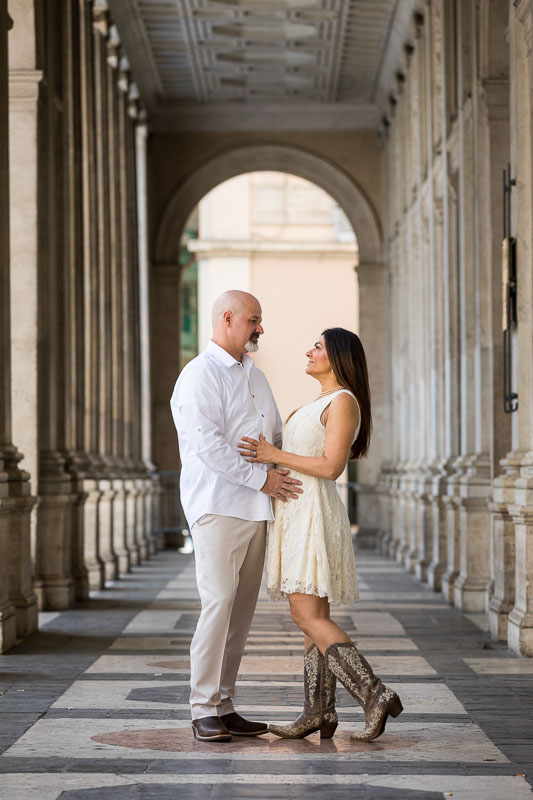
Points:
(219, 397)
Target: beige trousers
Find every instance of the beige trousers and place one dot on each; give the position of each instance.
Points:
(229, 554)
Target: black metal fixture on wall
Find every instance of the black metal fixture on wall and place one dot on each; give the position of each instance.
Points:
(509, 318)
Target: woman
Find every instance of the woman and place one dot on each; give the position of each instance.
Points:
(310, 555)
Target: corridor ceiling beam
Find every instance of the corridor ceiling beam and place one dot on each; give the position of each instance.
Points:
(247, 65)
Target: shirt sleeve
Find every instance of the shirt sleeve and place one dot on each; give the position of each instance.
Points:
(199, 417)
(278, 432)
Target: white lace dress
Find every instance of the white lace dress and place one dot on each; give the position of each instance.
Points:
(310, 542)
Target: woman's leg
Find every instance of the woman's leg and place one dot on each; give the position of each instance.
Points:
(349, 666)
(319, 683)
(311, 614)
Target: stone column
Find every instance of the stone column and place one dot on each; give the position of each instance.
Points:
(23, 93)
(128, 236)
(116, 203)
(374, 332)
(501, 597)
(495, 147)
(451, 464)
(520, 628)
(138, 226)
(54, 582)
(72, 418)
(8, 460)
(92, 468)
(474, 523)
(105, 178)
(141, 136)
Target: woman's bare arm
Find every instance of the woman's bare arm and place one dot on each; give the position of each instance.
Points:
(341, 424)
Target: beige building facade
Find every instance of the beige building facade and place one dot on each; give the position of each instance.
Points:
(107, 144)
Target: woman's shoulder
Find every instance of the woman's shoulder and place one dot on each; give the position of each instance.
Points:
(342, 404)
(345, 402)
(344, 398)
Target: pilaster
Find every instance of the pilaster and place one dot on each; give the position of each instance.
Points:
(374, 331)
(474, 535)
(520, 623)
(501, 587)
(451, 502)
(24, 82)
(439, 528)
(425, 521)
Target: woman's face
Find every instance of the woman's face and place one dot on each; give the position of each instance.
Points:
(317, 359)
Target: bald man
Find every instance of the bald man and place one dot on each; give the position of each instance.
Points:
(219, 397)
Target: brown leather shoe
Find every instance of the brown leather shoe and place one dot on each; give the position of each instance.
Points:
(238, 726)
(210, 729)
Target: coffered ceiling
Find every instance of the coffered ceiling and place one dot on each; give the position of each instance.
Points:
(250, 63)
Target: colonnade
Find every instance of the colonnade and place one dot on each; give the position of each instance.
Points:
(77, 492)
(455, 498)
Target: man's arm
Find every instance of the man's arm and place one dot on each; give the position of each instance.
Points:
(199, 417)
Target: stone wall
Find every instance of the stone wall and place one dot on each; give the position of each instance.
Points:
(455, 496)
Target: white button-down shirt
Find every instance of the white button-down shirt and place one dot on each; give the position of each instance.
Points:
(216, 400)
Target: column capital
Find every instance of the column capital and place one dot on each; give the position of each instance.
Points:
(124, 74)
(100, 12)
(113, 47)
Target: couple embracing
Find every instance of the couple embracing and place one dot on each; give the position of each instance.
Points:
(235, 460)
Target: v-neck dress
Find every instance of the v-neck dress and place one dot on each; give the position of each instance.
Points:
(310, 541)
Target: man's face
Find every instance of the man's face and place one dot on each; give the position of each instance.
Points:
(246, 328)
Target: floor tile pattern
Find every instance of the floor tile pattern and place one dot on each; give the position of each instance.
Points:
(95, 706)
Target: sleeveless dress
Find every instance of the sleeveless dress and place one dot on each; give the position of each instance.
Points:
(310, 542)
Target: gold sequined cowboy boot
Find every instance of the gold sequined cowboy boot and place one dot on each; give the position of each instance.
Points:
(356, 675)
(319, 704)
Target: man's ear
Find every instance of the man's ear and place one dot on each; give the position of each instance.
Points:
(227, 318)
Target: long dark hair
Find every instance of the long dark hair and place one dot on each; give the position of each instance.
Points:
(348, 361)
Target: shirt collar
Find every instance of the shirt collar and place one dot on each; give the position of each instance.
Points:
(226, 358)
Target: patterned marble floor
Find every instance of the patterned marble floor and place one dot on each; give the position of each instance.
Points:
(95, 704)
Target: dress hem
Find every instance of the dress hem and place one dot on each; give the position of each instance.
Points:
(275, 595)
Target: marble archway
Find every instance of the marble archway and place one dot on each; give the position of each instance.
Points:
(275, 157)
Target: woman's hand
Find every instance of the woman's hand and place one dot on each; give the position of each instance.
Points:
(259, 452)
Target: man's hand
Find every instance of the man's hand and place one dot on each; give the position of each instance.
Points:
(278, 485)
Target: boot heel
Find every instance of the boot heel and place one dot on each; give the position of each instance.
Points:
(395, 707)
(328, 729)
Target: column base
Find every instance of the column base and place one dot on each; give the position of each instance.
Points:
(470, 595)
(448, 586)
(95, 575)
(26, 613)
(498, 619)
(131, 541)
(54, 581)
(421, 571)
(55, 595)
(520, 633)
(392, 549)
(435, 573)
(8, 628)
(409, 561)
(106, 544)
